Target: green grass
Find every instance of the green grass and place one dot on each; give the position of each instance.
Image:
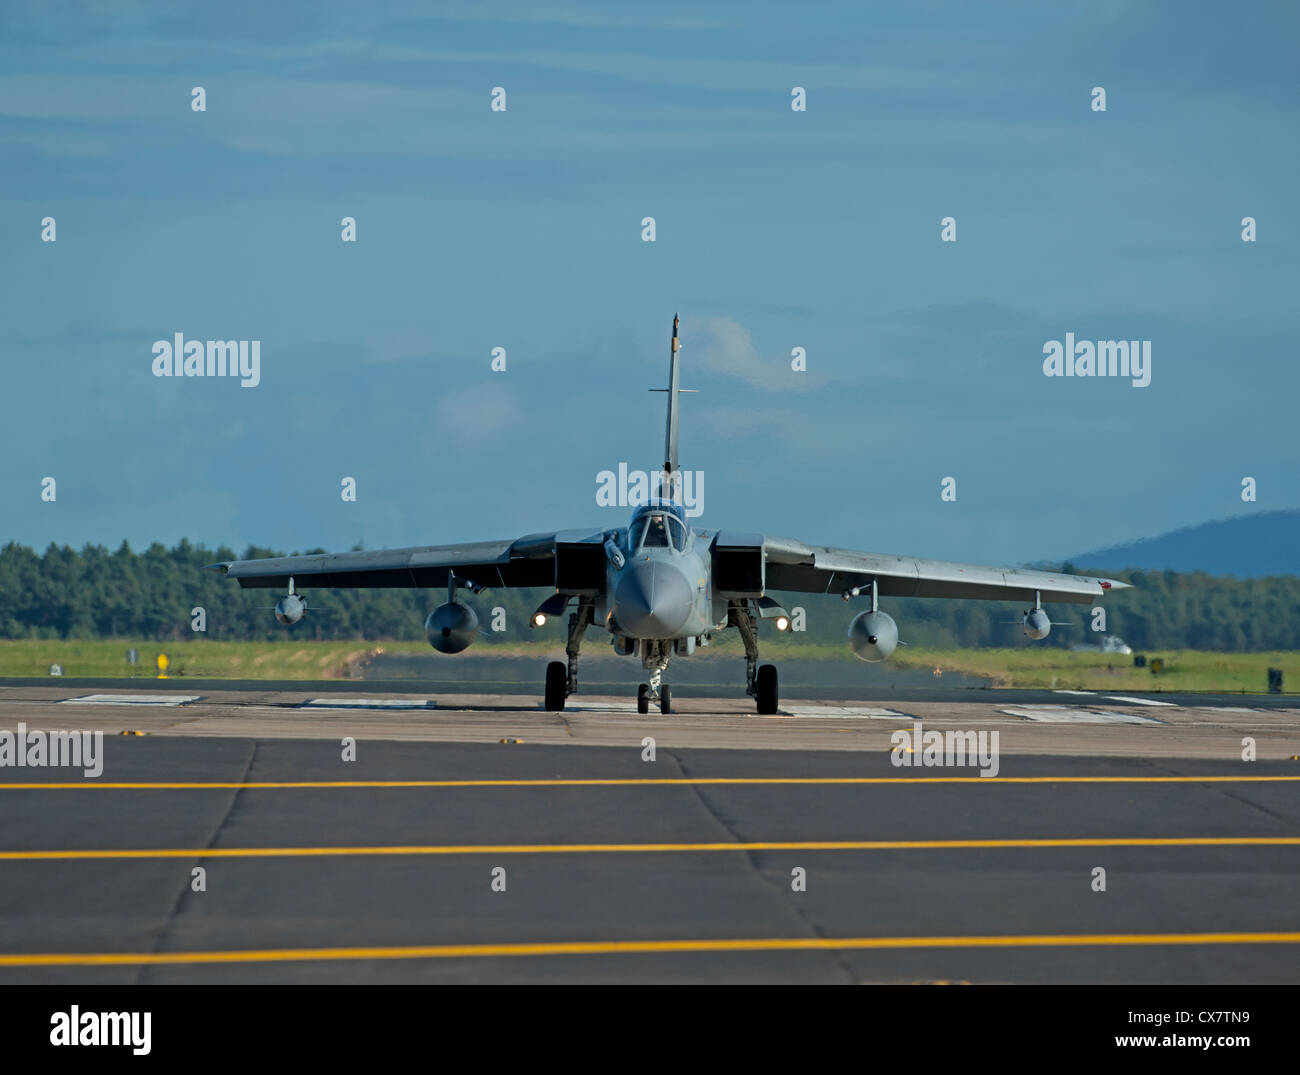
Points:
(198, 659)
(1184, 670)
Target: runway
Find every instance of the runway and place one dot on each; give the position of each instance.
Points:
(750, 849)
(1028, 722)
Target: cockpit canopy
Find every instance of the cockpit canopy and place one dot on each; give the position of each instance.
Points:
(660, 524)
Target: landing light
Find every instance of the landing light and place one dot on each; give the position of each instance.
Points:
(782, 623)
(539, 619)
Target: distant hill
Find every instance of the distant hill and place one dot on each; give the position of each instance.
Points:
(1249, 546)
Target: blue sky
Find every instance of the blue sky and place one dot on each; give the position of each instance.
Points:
(522, 230)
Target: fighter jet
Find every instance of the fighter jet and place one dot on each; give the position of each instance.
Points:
(661, 588)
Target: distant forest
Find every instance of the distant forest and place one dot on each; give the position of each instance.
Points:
(94, 593)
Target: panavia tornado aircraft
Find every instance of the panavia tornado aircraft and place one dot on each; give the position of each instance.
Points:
(661, 587)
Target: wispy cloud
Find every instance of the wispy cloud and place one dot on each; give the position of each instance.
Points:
(723, 346)
(479, 412)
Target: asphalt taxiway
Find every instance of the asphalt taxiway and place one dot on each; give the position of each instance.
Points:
(778, 849)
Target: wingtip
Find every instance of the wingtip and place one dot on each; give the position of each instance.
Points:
(1114, 584)
(223, 566)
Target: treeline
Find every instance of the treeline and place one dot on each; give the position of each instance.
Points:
(95, 593)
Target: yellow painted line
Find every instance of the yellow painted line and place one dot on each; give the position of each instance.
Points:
(759, 781)
(581, 948)
(583, 849)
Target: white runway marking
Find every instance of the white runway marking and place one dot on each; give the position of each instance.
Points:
(1135, 701)
(1088, 693)
(132, 699)
(608, 707)
(1061, 714)
(871, 712)
(368, 703)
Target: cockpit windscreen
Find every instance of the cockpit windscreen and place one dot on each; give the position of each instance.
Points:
(657, 530)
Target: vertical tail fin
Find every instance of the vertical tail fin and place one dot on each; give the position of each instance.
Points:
(670, 436)
(670, 485)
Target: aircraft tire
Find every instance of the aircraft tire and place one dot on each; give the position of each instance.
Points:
(557, 685)
(665, 699)
(643, 698)
(766, 684)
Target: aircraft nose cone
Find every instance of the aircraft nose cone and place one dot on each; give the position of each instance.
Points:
(653, 600)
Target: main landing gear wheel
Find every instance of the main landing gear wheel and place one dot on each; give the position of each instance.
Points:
(643, 698)
(765, 689)
(557, 685)
(665, 699)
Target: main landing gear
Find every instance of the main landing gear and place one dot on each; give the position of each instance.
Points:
(760, 680)
(562, 681)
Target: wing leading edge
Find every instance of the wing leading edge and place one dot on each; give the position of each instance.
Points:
(794, 566)
(790, 566)
(526, 561)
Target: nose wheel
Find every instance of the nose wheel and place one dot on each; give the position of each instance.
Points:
(645, 694)
(655, 657)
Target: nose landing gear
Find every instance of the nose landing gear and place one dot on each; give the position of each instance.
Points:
(654, 658)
